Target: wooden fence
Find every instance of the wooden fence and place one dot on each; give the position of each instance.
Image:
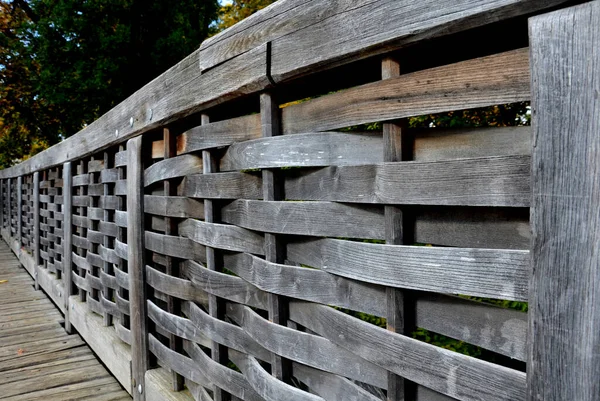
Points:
(233, 232)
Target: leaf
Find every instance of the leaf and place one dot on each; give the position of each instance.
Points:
(20, 351)
(3, 281)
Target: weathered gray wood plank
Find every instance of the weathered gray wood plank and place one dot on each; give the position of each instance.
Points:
(445, 371)
(308, 284)
(564, 325)
(497, 79)
(306, 218)
(224, 285)
(222, 236)
(348, 30)
(220, 133)
(172, 168)
(67, 238)
(137, 266)
(479, 272)
(172, 206)
(305, 150)
(221, 186)
(488, 181)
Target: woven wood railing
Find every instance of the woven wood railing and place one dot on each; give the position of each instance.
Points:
(261, 223)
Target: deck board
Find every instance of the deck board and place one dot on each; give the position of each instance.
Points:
(38, 359)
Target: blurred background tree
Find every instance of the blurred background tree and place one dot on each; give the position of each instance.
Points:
(234, 11)
(64, 63)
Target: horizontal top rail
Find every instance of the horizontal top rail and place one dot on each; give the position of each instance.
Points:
(285, 41)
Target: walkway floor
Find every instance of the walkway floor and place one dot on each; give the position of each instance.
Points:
(39, 361)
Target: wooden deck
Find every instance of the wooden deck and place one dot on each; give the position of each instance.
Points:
(38, 359)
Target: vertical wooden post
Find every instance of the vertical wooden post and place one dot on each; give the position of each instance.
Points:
(2, 203)
(81, 231)
(172, 266)
(216, 307)
(122, 237)
(564, 311)
(137, 267)
(68, 238)
(274, 245)
(399, 229)
(19, 210)
(106, 266)
(9, 207)
(36, 226)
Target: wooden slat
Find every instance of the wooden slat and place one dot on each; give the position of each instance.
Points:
(301, 31)
(304, 150)
(498, 79)
(423, 363)
(222, 236)
(173, 206)
(564, 325)
(136, 265)
(172, 168)
(489, 181)
(220, 133)
(477, 272)
(221, 186)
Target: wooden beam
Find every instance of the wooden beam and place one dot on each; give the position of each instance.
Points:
(168, 148)
(36, 227)
(399, 229)
(67, 238)
(137, 266)
(564, 317)
(274, 246)
(216, 306)
(19, 232)
(2, 203)
(9, 207)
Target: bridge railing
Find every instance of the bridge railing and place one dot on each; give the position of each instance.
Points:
(263, 222)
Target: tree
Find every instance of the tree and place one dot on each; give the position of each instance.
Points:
(235, 11)
(64, 63)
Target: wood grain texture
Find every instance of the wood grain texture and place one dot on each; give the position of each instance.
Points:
(175, 287)
(224, 285)
(308, 284)
(220, 133)
(267, 386)
(456, 143)
(489, 181)
(175, 246)
(497, 79)
(306, 218)
(304, 150)
(221, 186)
(277, 339)
(445, 371)
(478, 272)
(173, 206)
(222, 236)
(564, 325)
(137, 266)
(349, 30)
(103, 341)
(158, 384)
(36, 219)
(172, 168)
(68, 237)
(330, 386)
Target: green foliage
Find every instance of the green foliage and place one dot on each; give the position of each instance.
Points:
(237, 10)
(64, 63)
